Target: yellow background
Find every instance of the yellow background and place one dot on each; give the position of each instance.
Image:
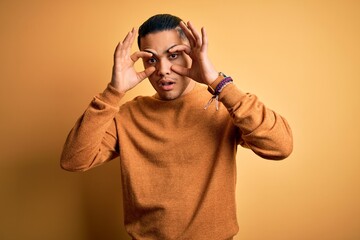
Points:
(302, 58)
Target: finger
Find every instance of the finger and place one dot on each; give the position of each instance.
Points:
(133, 36)
(120, 51)
(188, 34)
(124, 42)
(180, 48)
(195, 34)
(140, 54)
(205, 42)
(117, 50)
(146, 73)
(127, 42)
(128, 38)
(181, 70)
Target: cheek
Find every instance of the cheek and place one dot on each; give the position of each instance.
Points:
(153, 82)
(152, 78)
(184, 60)
(187, 61)
(147, 65)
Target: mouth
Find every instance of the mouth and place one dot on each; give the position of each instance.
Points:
(166, 84)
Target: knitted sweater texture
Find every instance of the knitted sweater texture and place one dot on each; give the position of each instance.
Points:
(178, 161)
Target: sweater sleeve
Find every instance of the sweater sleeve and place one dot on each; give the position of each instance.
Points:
(262, 130)
(93, 139)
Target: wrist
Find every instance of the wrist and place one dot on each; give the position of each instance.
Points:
(111, 95)
(117, 84)
(216, 88)
(213, 77)
(212, 86)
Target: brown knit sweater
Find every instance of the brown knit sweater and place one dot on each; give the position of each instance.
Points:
(178, 163)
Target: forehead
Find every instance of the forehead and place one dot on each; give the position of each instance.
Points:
(160, 41)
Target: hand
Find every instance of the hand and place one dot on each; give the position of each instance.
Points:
(201, 69)
(124, 75)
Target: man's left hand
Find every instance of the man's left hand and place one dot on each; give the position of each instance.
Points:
(201, 69)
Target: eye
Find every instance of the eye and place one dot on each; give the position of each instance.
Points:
(173, 56)
(151, 61)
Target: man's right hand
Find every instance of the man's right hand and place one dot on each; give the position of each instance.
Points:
(124, 75)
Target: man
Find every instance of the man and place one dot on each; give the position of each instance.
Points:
(177, 158)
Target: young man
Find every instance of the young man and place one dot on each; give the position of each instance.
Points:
(177, 159)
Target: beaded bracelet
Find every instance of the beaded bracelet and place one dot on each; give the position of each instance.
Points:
(226, 81)
(222, 85)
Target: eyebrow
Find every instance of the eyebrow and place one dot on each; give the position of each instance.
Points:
(166, 51)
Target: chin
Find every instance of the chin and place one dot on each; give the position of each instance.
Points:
(169, 96)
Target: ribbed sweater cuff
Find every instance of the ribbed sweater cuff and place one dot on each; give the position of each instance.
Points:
(111, 96)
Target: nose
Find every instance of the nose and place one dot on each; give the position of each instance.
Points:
(164, 67)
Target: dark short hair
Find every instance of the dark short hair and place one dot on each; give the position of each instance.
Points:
(158, 23)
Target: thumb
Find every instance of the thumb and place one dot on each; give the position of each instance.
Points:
(146, 73)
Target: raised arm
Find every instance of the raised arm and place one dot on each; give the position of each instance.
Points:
(93, 139)
(264, 131)
(124, 75)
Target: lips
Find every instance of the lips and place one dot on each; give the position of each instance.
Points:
(166, 84)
